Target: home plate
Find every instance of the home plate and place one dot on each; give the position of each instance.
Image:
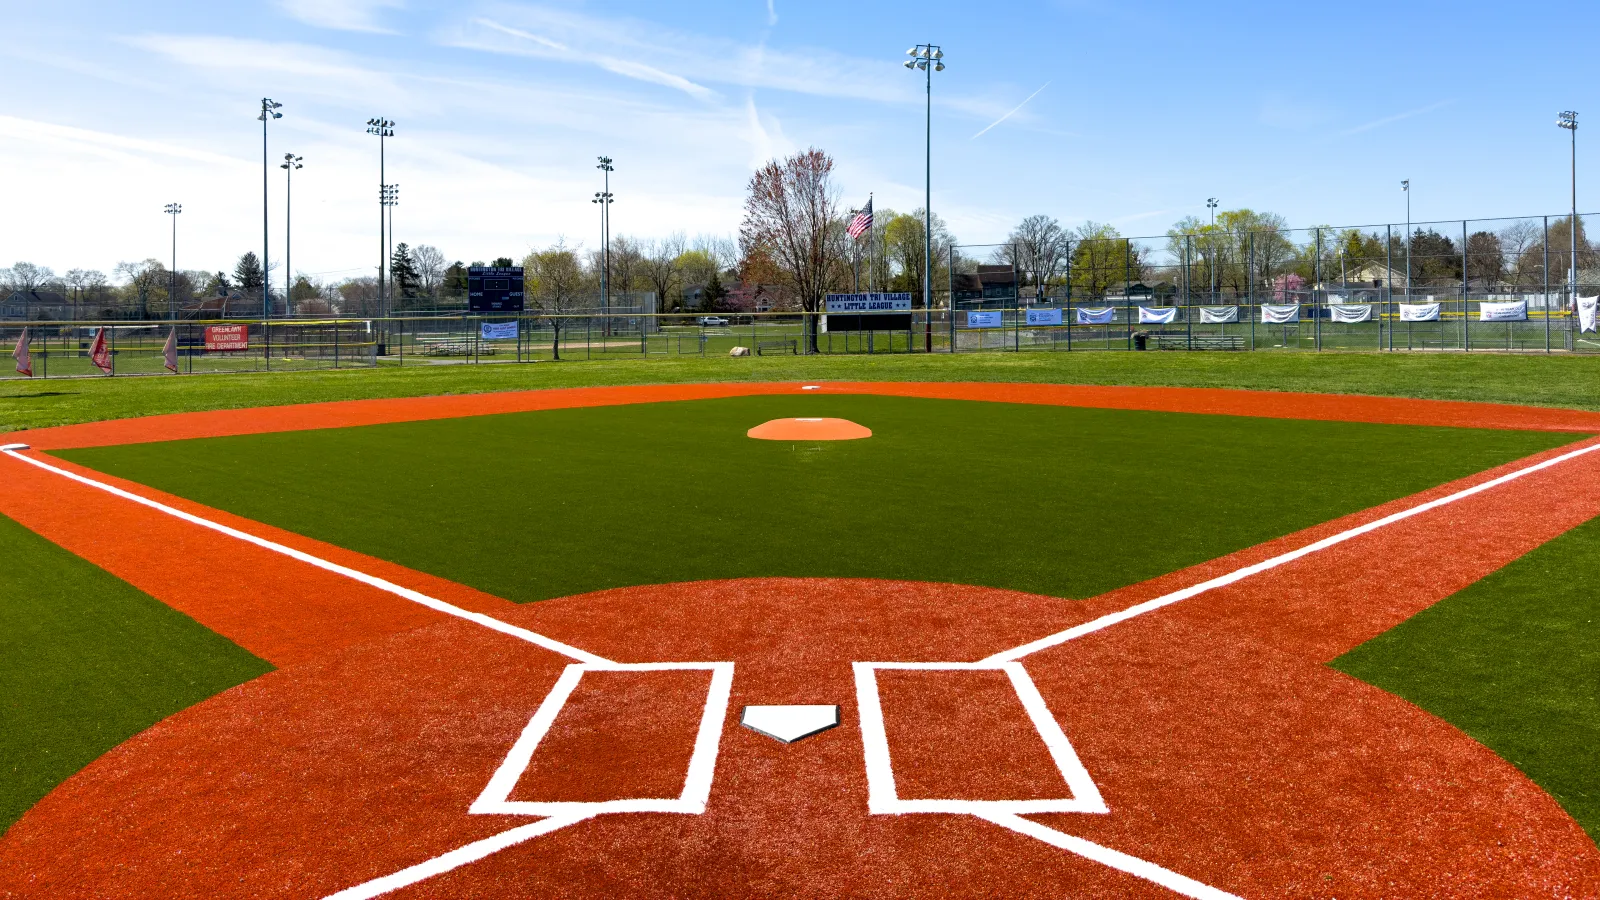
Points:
(789, 723)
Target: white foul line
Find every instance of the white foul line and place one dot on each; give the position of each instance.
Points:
(1106, 856)
(1140, 609)
(371, 580)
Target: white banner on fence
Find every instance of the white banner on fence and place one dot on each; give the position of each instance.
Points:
(977, 319)
(1503, 312)
(1276, 314)
(1157, 316)
(1419, 312)
(1101, 316)
(1044, 317)
(498, 331)
(1587, 307)
(1350, 312)
(1218, 315)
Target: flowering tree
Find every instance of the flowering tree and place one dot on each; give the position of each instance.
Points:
(792, 216)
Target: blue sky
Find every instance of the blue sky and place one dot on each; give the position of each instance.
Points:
(1139, 111)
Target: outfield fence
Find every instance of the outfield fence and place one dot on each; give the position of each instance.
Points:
(66, 349)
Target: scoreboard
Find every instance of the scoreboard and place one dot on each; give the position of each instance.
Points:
(494, 288)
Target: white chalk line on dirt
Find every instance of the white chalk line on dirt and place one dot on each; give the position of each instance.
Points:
(405, 593)
(1139, 609)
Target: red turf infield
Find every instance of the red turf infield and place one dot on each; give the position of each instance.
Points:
(1223, 747)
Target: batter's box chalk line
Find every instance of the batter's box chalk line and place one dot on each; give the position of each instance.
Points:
(882, 798)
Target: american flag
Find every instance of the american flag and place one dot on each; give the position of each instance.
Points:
(861, 222)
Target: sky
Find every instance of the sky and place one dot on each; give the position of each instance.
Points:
(1130, 112)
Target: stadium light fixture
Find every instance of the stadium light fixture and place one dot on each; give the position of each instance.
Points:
(269, 111)
(921, 55)
(290, 163)
(382, 129)
(1406, 187)
(1569, 121)
(173, 209)
(604, 199)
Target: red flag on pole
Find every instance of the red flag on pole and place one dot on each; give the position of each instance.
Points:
(23, 355)
(169, 353)
(99, 354)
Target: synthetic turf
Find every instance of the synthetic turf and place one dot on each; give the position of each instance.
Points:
(1514, 661)
(87, 661)
(1053, 500)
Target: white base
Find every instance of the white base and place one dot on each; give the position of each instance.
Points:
(789, 723)
(7, 448)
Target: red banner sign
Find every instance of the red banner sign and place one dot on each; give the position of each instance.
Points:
(227, 337)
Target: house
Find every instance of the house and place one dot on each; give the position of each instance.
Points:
(36, 306)
(1374, 274)
(990, 284)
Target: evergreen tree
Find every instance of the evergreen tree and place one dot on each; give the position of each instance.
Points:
(713, 293)
(248, 276)
(403, 273)
(504, 262)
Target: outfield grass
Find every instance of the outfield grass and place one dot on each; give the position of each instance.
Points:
(1053, 500)
(87, 661)
(1513, 661)
(1568, 381)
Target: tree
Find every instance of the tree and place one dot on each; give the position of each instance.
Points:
(1521, 242)
(430, 266)
(304, 290)
(557, 282)
(1435, 259)
(1037, 247)
(1486, 259)
(359, 296)
(147, 284)
(906, 249)
(711, 298)
(1101, 257)
(793, 212)
(697, 267)
(455, 281)
(25, 276)
(660, 267)
(627, 261)
(501, 262)
(403, 275)
(248, 276)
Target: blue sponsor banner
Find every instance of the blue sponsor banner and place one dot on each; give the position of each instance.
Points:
(976, 319)
(498, 331)
(1044, 317)
(858, 303)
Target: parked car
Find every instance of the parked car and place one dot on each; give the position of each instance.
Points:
(712, 322)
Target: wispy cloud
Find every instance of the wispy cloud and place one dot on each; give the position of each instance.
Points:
(772, 14)
(342, 15)
(545, 47)
(1390, 120)
(1009, 114)
(301, 67)
(105, 144)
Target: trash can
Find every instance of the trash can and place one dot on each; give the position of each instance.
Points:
(1140, 340)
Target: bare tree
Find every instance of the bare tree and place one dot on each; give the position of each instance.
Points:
(1038, 248)
(793, 212)
(429, 264)
(1516, 240)
(627, 263)
(558, 282)
(25, 276)
(660, 267)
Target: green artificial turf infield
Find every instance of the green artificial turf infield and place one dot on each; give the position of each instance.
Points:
(1053, 500)
(87, 661)
(1514, 661)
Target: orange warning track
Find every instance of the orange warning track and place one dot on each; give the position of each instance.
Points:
(1223, 746)
(1216, 401)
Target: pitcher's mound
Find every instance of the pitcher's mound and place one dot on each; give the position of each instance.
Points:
(809, 430)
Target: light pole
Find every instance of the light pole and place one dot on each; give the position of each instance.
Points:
(172, 281)
(1211, 262)
(604, 199)
(388, 199)
(384, 129)
(269, 111)
(290, 163)
(1569, 121)
(1406, 187)
(929, 58)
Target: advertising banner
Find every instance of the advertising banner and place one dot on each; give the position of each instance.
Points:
(1503, 312)
(1101, 316)
(846, 303)
(1586, 313)
(1350, 312)
(1284, 314)
(1044, 317)
(227, 337)
(976, 319)
(1419, 312)
(498, 331)
(1218, 315)
(1157, 315)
